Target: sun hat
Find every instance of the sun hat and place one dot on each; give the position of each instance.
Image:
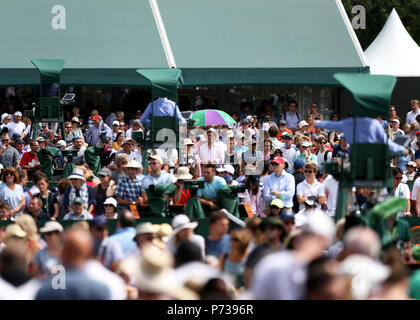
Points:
(112, 201)
(188, 142)
(156, 157)
(277, 203)
(50, 226)
(226, 168)
(77, 174)
(40, 139)
(75, 119)
(61, 143)
(181, 221)
(183, 173)
(4, 116)
(14, 230)
(412, 164)
(302, 124)
(145, 228)
(395, 120)
(133, 164)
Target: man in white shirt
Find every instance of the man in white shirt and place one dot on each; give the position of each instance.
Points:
(310, 187)
(401, 190)
(411, 116)
(331, 192)
(136, 128)
(16, 127)
(290, 152)
(211, 152)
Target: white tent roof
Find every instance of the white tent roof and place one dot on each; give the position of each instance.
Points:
(394, 52)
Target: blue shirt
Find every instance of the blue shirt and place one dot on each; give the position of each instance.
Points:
(211, 189)
(162, 107)
(11, 197)
(124, 237)
(94, 133)
(128, 189)
(164, 178)
(368, 130)
(216, 248)
(285, 184)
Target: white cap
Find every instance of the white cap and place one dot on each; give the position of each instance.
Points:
(321, 224)
(116, 122)
(18, 113)
(51, 226)
(395, 120)
(61, 143)
(228, 168)
(3, 116)
(306, 144)
(111, 200)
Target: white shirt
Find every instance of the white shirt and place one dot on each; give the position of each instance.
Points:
(415, 189)
(321, 157)
(402, 191)
(129, 133)
(411, 117)
(331, 192)
(307, 190)
(214, 154)
(16, 128)
(290, 155)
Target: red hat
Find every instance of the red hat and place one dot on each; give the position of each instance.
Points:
(278, 160)
(96, 117)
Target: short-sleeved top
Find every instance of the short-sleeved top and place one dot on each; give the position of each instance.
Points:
(216, 248)
(48, 203)
(11, 197)
(307, 190)
(10, 157)
(128, 189)
(211, 189)
(84, 216)
(45, 261)
(164, 178)
(415, 189)
(29, 159)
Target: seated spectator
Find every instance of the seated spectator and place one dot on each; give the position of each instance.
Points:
(34, 210)
(79, 189)
(11, 192)
(310, 187)
(276, 207)
(103, 190)
(125, 231)
(182, 195)
(110, 206)
(212, 185)
(156, 175)
(120, 161)
(129, 187)
(78, 211)
(9, 156)
(218, 240)
(48, 199)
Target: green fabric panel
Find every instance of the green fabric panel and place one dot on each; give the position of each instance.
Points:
(258, 34)
(194, 209)
(50, 69)
(164, 82)
(156, 199)
(372, 93)
(228, 199)
(46, 158)
(69, 167)
(92, 158)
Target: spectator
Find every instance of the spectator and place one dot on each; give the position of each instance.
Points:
(129, 187)
(411, 116)
(79, 189)
(129, 149)
(212, 152)
(80, 148)
(313, 110)
(97, 130)
(78, 211)
(68, 134)
(331, 193)
(34, 210)
(218, 240)
(305, 153)
(16, 127)
(47, 258)
(110, 206)
(410, 172)
(190, 158)
(28, 224)
(275, 208)
(9, 156)
(145, 235)
(342, 150)
(310, 187)
(290, 152)
(48, 199)
(292, 117)
(156, 175)
(212, 185)
(20, 147)
(115, 130)
(323, 154)
(11, 192)
(120, 161)
(125, 231)
(4, 213)
(136, 128)
(103, 190)
(401, 190)
(394, 129)
(253, 195)
(118, 142)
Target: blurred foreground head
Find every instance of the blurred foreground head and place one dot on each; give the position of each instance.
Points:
(77, 249)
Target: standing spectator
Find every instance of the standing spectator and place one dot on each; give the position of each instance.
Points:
(290, 152)
(136, 128)
(49, 257)
(323, 154)
(310, 187)
(305, 153)
(29, 159)
(299, 176)
(11, 192)
(78, 211)
(212, 152)
(342, 150)
(233, 262)
(16, 127)
(279, 184)
(20, 147)
(393, 115)
(331, 193)
(410, 172)
(162, 107)
(115, 129)
(76, 132)
(394, 130)
(68, 135)
(77, 249)
(313, 110)
(129, 187)
(190, 157)
(401, 190)
(103, 190)
(212, 185)
(292, 117)
(411, 116)
(125, 231)
(156, 175)
(283, 130)
(80, 148)
(79, 189)
(9, 156)
(97, 130)
(218, 240)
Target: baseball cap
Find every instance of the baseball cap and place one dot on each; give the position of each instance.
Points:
(78, 200)
(96, 117)
(40, 139)
(287, 135)
(306, 144)
(19, 140)
(133, 164)
(226, 168)
(104, 172)
(51, 226)
(61, 143)
(136, 122)
(278, 160)
(395, 120)
(298, 164)
(156, 157)
(412, 164)
(278, 203)
(110, 200)
(250, 118)
(286, 215)
(282, 123)
(115, 123)
(319, 223)
(17, 113)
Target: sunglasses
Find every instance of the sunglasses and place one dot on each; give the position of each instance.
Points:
(234, 239)
(153, 163)
(305, 147)
(4, 140)
(322, 142)
(68, 127)
(308, 171)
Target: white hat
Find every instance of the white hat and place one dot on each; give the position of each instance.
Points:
(77, 174)
(116, 122)
(75, 119)
(227, 167)
(395, 120)
(61, 143)
(3, 116)
(111, 200)
(319, 223)
(51, 226)
(306, 144)
(250, 118)
(229, 134)
(411, 163)
(265, 126)
(133, 164)
(145, 227)
(188, 141)
(18, 113)
(156, 157)
(183, 173)
(181, 221)
(302, 124)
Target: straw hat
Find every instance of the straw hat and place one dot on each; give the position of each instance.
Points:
(188, 142)
(14, 230)
(51, 226)
(180, 222)
(77, 173)
(183, 173)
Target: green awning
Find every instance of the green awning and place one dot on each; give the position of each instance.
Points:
(372, 93)
(50, 70)
(164, 82)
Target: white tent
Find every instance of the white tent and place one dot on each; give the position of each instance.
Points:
(394, 52)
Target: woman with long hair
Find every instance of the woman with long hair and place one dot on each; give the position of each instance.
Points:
(233, 263)
(48, 199)
(119, 140)
(11, 192)
(28, 224)
(68, 135)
